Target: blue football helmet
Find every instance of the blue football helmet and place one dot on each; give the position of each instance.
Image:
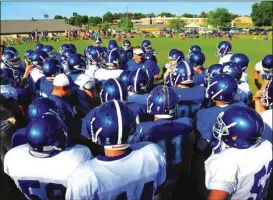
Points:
(176, 56)
(162, 101)
(194, 48)
(43, 105)
(224, 48)
(76, 62)
(93, 55)
(232, 69)
(38, 58)
(211, 72)
(97, 42)
(112, 45)
(267, 96)
(112, 59)
(46, 135)
(112, 125)
(146, 46)
(182, 74)
(11, 59)
(223, 88)
(66, 54)
(239, 127)
(126, 45)
(11, 49)
(113, 89)
(197, 59)
(28, 54)
(124, 78)
(52, 67)
(50, 50)
(86, 50)
(138, 81)
(267, 63)
(38, 47)
(72, 46)
(241, 59)
(63, 47)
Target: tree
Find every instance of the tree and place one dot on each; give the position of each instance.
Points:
(94, 21)
(203, 14)
(262, 13)
(58, 17)
(150, 15)
(234, 16)
(108, 17)
(126, 24)
(84, 19)
(166, 14)
(188, 15)
(176, 24)
(219, 18)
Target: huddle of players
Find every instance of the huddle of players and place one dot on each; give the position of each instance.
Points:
(145, 134)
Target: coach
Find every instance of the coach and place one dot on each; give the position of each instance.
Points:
(139, 61)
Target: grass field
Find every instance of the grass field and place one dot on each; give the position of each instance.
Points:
(255, 49)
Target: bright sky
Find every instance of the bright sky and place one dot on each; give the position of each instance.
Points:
(27, 10)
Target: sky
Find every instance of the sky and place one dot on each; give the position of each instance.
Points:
(27, 10)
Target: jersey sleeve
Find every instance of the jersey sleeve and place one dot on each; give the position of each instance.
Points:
(160, 157)
(259, 66)
(82, 184)
(203, 126)
(104, 74)
(221, 173)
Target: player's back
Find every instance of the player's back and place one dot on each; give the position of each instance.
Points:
(246, 169)
(225, 58)
(43, 178)
(199, 79)
(135, 175)
(138, 98)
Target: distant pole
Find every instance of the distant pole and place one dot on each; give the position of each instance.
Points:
(127, 21)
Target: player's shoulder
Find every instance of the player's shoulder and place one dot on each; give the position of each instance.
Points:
(206, 112)
(267, 114)
(80, 152)
(17, 153)
(184, 121)
(146, 148)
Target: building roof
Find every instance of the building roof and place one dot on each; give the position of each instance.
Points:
(25, 26)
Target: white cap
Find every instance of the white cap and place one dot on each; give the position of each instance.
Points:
(138, 51)
(61, 80)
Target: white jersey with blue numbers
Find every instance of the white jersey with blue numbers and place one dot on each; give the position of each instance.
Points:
(103, 74)
(268, 128)
(135, 175)
(80, 79)
(43, 178)
(242, 173)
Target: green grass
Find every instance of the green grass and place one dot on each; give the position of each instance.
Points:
(254, 49)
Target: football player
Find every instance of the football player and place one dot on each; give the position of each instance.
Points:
(63, 47)
(168, 131)
(149, 52)
(113, 67)
(44, 85)
(224, 51)
(190, 96)
(33, 166)
(139, 61)
(258, 71)
(64, 57)
(211, 72)
(38, 47)
(243, 94)
(27, 56)
(138, 86)
(112, 125)
(196, 60)
(112, 45)
(239, 171)
(83, 85)
(242, 60)
(194, 48)
(267, 69)
(38, 107)
(49, 50)
(175, 56)
(126, 52)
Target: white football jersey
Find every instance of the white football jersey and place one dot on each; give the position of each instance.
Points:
(36, 74)
(244, 86)
(103, 74)
(81, 79)
(268, 120)
(8, 92)
(225, 58)
(140, 172)
(45, 178)
(240, 172)
(259, 67)
(244, 77)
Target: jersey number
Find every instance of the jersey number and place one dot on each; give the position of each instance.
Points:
(257, 187)
(50, 188)
(147, 192)
(175, 154)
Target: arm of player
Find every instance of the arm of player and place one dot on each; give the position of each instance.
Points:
(221, 177)
(256, 75)
(259, 107)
